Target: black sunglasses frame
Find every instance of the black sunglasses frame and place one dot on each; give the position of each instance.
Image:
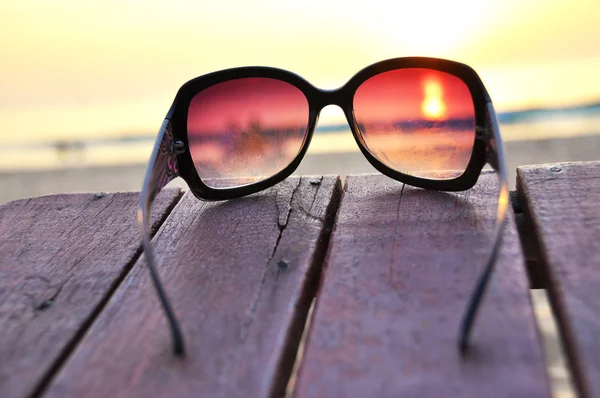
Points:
(317, 100)
(171, 156)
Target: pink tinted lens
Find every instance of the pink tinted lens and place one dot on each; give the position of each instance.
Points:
(245, 130)
(417, 121)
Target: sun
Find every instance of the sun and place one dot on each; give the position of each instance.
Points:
(433, 106)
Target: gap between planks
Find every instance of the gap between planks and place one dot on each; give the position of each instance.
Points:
(217, 287)
(332, 352)
(71, 345)
(559, 373)
(561, 206)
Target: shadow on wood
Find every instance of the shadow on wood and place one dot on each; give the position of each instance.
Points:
(402, 263)
(241, 275)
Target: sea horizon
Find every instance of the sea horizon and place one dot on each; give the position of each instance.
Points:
(129, 148)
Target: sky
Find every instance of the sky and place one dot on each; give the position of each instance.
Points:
(71, 68)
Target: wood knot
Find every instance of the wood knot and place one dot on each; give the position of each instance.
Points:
(556, 169)
(45, 305)
(283, 265)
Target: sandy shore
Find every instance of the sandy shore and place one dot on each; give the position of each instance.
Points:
(129, 177)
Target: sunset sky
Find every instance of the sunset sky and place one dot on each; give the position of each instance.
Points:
(71, 68)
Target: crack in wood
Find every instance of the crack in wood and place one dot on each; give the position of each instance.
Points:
(281, 225)
(312, 203)
(294, 335)
(283, 217)
(308, 213)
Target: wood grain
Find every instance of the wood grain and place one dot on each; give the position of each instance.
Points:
(60, 257)
(401, 265)
(240, 275)
(562, 203)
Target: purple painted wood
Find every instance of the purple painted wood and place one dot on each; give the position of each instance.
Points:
(60, 257)
(562, 202)
(401, 265)
(240, 274)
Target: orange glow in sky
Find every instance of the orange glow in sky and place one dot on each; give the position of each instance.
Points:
(71, 68)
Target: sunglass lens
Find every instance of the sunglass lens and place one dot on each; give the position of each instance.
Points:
(246, 130)
(420, 122)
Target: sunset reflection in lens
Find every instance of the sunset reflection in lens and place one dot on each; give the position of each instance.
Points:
(417, 121)
(246, 130)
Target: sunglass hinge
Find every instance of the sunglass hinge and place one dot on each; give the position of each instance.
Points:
(179, 147)
(481, 132)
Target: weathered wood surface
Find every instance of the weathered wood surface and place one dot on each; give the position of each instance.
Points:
(562, 202)
(240, 275)
(60, 257)
(401, 265)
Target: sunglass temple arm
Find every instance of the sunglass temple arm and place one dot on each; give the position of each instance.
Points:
(495, 157)
(162, 168)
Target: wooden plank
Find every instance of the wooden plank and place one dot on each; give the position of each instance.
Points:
(60, 257)
(401, 265)
(562, 203)
(241, 275)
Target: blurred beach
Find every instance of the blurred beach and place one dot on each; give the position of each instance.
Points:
(118, 163)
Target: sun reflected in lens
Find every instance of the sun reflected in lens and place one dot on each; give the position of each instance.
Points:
(417, 121)
(433, 106)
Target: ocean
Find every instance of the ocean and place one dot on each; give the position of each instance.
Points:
(132, 149)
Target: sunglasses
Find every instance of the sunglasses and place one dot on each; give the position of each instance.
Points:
(425, 122)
